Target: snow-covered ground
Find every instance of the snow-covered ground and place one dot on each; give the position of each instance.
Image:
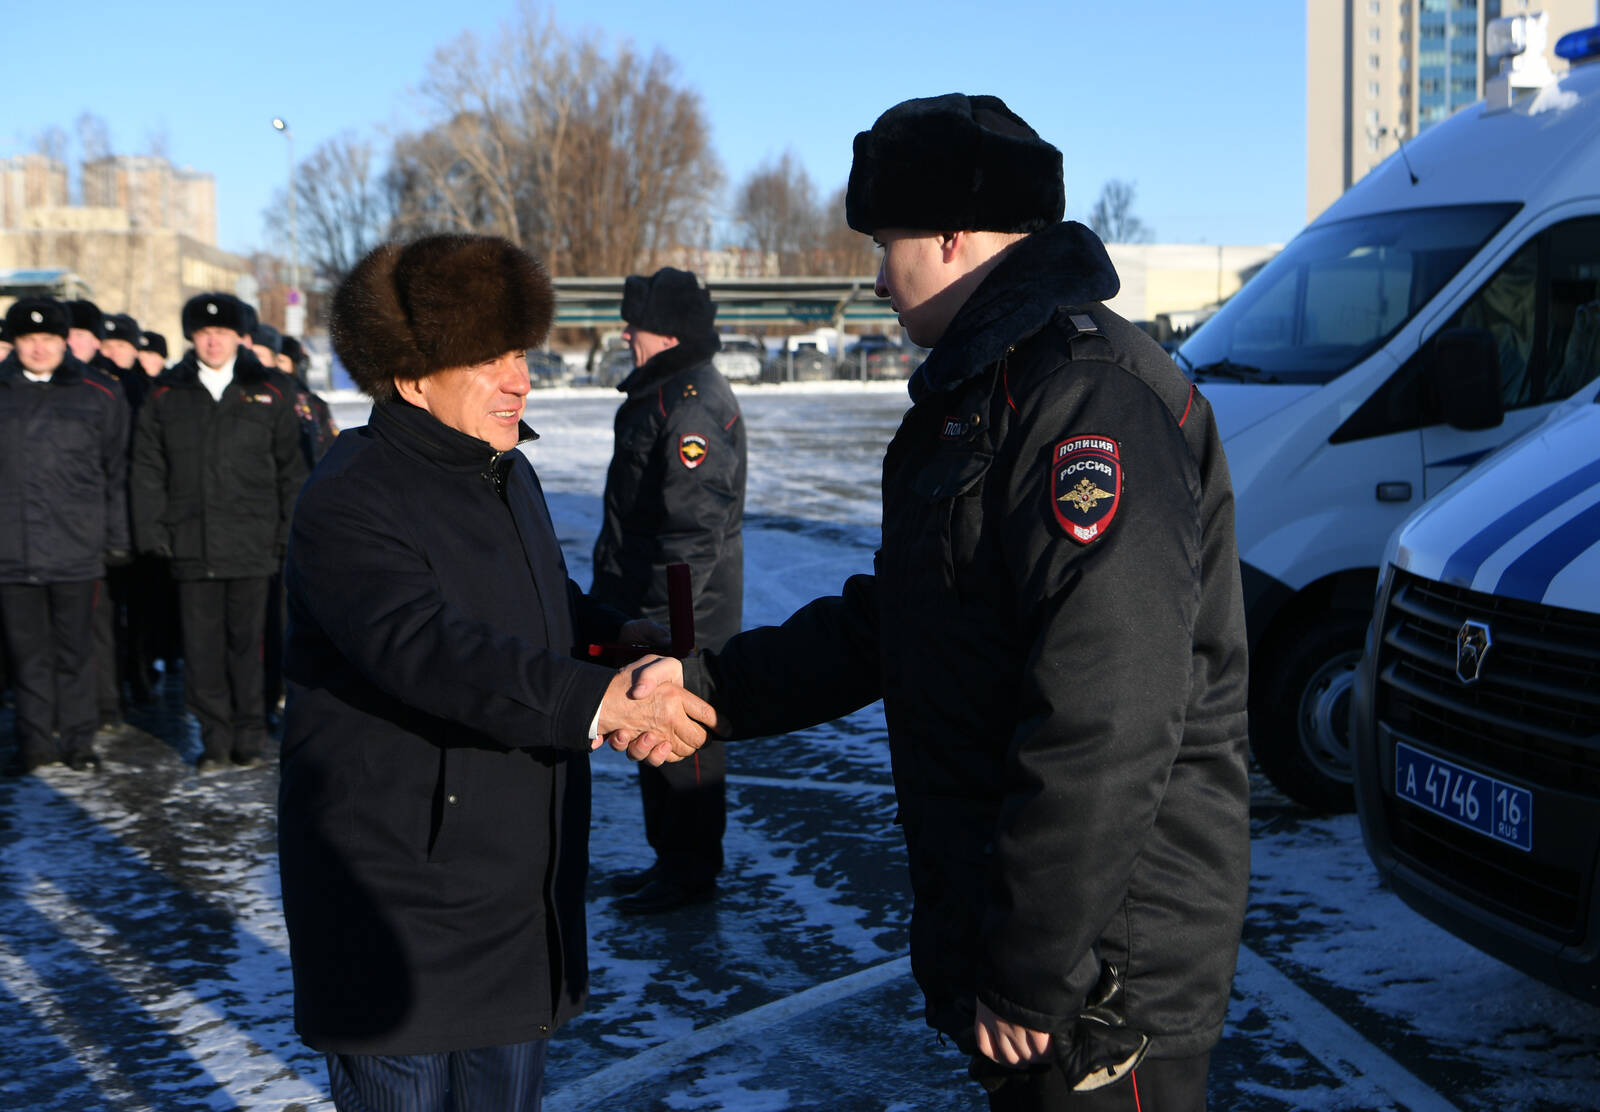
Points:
(143, 963)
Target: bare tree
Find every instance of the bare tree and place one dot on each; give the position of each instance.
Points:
(343, 206)
(1112, 217)
(842, 251)
(598, 160)
(777, 208)
(52, 142)
(94, 137)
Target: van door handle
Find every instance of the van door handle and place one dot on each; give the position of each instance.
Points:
(1394, 492)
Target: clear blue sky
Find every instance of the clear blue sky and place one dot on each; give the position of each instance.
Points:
(1201, 105)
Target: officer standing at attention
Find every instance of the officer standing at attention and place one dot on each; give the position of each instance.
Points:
(63, 513)
(216, 468)
(675, 494)
(1056, 629)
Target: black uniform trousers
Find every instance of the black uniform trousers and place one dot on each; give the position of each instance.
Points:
(504, 1078)
(223, 623)
(108, 640)
(685, 813)
(1158, 1085)
(50, 640)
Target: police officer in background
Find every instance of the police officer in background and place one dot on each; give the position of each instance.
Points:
(216, 468)
(1055, 627)
(675, 494)
(63, 513)
(152, 353)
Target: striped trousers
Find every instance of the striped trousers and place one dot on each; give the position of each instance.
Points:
(490, 1079)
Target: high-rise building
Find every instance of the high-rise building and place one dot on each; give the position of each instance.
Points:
(1378, 72)
(154, 194)
(27, 182)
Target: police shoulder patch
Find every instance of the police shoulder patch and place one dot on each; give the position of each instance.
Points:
(1085, 486)
(692, 449)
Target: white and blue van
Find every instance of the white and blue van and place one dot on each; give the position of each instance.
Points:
(1475, 721)
(1434, 312)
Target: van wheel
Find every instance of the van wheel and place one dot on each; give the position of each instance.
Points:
(1300, 713)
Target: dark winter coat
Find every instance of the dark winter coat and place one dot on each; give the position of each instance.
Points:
(317, 429)
(1062, 667)
(434, 802)
(63, 475)
(214, 482)
(675, 493)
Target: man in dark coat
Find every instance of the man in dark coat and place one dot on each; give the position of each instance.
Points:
(63, 514)
(216, 468)
(1056, 629)
(675, 494)
(434, 804)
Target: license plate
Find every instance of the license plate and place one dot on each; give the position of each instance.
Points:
(1492, 807)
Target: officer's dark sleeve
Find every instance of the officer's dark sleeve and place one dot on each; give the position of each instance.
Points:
(819, 665)
(114, 461)
(368, 585)
(1102, 702)
(291, 460)
(698, 504)
(594, 621)
(148, 481)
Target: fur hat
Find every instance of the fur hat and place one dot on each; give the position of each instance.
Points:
(264, 335)
(87, 316)
(669, 302)
(290, 346)
(120, 326)
(954, 163)
(215, 310)
(153, 341)
(451, 300)
(37, 314)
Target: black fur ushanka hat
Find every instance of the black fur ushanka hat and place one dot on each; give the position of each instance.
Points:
(451, 300)
(670, 302)
(215, 310)
(953, 163)
(87, 316)
(37, 314)
(154, 341)
(120, 326)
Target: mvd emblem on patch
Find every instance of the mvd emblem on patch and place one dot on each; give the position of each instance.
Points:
(1085, 486)
(692, 449)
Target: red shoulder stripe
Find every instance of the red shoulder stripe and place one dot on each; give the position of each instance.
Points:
(100, 386)
(1188, 407)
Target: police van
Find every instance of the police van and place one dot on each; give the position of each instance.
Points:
(1475, 720)
(1434, 312)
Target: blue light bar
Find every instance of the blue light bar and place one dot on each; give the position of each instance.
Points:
(1576, 46)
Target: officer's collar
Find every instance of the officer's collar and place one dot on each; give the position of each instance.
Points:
(665, 364)
(1065, 264)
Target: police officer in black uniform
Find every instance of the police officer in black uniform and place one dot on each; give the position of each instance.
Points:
(675, 494)
(1055, 627)
(63, 513)
(216, 468)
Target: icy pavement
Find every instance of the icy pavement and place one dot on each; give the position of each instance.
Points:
(143, 963)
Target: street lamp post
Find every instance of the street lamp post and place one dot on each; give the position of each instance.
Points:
(294, 312)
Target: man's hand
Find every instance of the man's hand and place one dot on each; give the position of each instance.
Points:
(661, 723)
(642, 631)
(1007, 1042)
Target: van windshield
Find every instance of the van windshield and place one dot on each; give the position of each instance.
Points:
(1336, 293)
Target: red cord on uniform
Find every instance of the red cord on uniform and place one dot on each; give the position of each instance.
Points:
(1133, 1076)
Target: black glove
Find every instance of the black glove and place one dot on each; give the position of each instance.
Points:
(1095, 1048)
(118, 558)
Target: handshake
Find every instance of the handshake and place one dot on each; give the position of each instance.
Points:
(648, 713)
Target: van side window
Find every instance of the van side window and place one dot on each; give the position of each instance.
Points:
(1543, 309)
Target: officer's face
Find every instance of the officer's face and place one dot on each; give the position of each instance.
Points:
(646, 345)
(216, 345)
(283, 363)
(917, 276)
(41, 352)
(152, 362)
(120, 352)
(5, 348)
(484, 400)
(83, 343)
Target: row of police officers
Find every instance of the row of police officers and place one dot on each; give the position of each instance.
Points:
(144, 511)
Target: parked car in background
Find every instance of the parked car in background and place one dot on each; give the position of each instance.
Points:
(1475, 719)
(801, 360)
(876, 356)
(740, 359)
(547, 368)
(1350, 380)
(614, 365)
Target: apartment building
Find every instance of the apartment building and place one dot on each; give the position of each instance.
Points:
(1378, 72)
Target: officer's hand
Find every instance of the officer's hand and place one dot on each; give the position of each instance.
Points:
(666, 723)
(642, 631)
(1007, 1042)
(118, 558)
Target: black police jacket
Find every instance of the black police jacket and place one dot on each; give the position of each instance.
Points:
(1056, 628)
(214, 482)
(434, 801)
(63, 474)
(675, 493)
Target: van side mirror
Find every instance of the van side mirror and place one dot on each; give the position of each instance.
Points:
(1464, 378)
